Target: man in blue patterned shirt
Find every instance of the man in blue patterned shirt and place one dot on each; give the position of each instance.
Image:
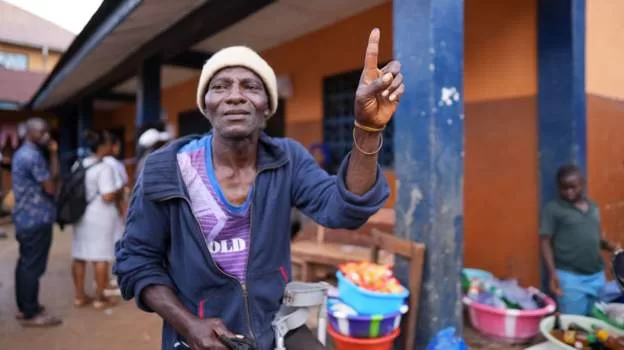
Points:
(34, 186)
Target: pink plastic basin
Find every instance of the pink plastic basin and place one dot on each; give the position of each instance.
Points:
(510, 326)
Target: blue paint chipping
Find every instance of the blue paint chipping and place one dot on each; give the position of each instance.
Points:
(561, 98)
(429, 145)
(148, 92)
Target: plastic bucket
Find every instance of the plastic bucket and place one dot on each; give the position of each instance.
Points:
(342, 342)
(508, 325)
(366, 302)
(365, 326)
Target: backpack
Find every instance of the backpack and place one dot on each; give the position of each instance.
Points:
(71, 201)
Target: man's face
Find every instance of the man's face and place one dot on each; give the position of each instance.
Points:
(571, 187)
(40, 134)
(236, 103)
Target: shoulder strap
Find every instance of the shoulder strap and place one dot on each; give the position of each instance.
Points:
(92, 165)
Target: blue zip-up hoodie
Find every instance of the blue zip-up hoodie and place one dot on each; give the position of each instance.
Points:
(163, 243)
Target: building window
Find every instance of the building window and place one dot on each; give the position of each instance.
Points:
(14, 61)
(338, 97)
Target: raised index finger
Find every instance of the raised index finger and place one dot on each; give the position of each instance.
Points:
(372, 51)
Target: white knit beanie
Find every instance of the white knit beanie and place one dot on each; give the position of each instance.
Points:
(238, 56)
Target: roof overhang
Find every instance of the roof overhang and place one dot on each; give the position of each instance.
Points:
(122, 34)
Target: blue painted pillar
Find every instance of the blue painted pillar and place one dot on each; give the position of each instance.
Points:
(429, 149)
(67, 137)
(561, 96)
(85, 118)
(148, 93)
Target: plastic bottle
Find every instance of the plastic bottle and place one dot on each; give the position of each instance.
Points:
(557, 325)
(500, 293)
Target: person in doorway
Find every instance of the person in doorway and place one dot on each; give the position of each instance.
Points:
(207, 241)
(571, 241)
(34, 183)
(94, 233)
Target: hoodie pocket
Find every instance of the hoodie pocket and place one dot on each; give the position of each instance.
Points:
(266, 292)
(226, 303)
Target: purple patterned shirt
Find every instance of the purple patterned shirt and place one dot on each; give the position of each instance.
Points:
(226, 227)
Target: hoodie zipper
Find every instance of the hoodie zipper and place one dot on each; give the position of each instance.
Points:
(245, 290)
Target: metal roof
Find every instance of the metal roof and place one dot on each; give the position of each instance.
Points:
(20, 27)
(123, 33)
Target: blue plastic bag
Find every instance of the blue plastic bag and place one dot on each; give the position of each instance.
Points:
(447, 339)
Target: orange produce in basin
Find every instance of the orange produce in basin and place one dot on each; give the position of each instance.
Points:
(372, 277)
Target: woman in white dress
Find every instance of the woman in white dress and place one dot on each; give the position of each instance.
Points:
(94, 234)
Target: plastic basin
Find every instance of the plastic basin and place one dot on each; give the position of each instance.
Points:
(365, 326)
(508, 325)
(586, 322)
(366, 302)
(342, 342)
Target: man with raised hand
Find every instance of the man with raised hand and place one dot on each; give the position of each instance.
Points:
(207, 242)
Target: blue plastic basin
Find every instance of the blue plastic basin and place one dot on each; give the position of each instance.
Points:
(366, 302)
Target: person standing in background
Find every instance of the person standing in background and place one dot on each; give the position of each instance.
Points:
(149, 141)
(572, 240)
(94, 233)
(34, 185)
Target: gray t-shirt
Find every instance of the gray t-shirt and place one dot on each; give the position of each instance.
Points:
(575, 236)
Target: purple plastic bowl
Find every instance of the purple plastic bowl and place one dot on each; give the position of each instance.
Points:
(365, 326)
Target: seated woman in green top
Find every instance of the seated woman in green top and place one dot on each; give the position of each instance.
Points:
(572, 241)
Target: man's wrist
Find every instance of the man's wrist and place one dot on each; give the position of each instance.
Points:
(367, 142)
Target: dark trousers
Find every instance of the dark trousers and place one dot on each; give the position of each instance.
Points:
(302, 338)
(34, 248)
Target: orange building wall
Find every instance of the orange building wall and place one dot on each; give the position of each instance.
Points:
(501, 134)
(604, 48)
(500, 179)
(605, 112)
(36, 61)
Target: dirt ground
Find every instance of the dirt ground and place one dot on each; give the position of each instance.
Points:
(122, 327)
